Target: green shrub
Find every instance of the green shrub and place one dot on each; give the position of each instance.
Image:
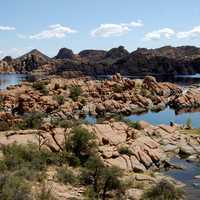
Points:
(30, 174)
(45, 193)
(4, 126)
(14, 188)
(189, 123)
(132, 124)
(17, 157)
(101, 178)
(81, 143)
(31, 121)
(41, 87)
(75, 92)
(1, 103)
(65, 123)
(118, 88)
(164, 190)
(66, 176)
(125, 150)
(60, 99)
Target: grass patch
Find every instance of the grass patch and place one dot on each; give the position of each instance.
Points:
(66, 176)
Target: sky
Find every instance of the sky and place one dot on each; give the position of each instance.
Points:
(49, 25)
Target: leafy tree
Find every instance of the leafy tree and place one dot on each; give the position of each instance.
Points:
(81, 143)
(102, 178)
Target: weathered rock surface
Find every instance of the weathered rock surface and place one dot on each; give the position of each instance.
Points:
(146, 149)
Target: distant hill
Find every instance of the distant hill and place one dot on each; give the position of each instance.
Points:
(165, 60)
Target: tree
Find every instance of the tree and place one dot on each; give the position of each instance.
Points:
(81, 143)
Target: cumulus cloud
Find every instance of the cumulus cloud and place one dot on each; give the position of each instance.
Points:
(54, 31)
(158, 34)
(195, 32)
(107, 30)
(7, 28)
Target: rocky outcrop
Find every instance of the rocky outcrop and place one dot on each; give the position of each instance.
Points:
(65, 53)
(145, 149)
(163, 61)
(92, 55)
(189, 99)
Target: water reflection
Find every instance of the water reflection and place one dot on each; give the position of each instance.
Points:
(10, 79)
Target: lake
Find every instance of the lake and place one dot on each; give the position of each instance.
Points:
(162, 117)
(10, 79)
(186, 176)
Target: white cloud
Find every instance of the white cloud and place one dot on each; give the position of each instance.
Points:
(1, 54)
(7, 28)
(107, 30)
(21, 36)
(156, 35)
(195, 32)
(54, 31)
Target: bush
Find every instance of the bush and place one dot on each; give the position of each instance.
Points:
(118, 88)
(60, 99)
(45, 193)
(14, 188)
(125, 150)
(30, 174)
(17, 157)
(81, 143)
(189, 123)
(163, 190)
(101, 178)
(65, 123)
(31, 121)
(4, 126)
(41, 87)
(66, 176)
(75, 92)
(1, 103)
(132, 124)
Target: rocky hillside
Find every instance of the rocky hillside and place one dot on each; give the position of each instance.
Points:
(165, 60)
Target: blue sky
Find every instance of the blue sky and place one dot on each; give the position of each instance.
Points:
(49, 25)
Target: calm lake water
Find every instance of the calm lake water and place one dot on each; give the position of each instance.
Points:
(10, 79)
(166, 116)
(186, 176)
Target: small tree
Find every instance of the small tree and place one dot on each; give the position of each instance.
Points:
(75, 92)
(110, 180)
(102, 178)
(81, 143)
(189, 123)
